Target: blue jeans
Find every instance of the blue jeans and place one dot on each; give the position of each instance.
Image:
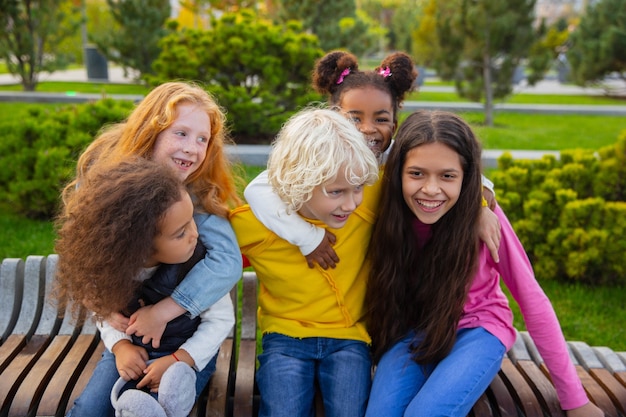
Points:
(451, 387)
(95, 400)
(291, 369)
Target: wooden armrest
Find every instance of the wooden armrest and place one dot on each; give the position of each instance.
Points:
(243, 405)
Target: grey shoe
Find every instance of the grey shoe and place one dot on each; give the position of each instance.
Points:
(177, 390)
(134, 402)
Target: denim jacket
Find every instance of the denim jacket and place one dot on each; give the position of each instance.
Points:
(215, 275)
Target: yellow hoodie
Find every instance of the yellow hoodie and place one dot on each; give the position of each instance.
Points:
(298, 301)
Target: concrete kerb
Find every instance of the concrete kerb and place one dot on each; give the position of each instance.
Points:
(256, 155)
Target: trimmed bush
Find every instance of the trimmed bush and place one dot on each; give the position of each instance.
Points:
(258, 71)
(39, 149)
(570, 214)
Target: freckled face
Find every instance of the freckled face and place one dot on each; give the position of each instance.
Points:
(183, 145)
(432, 176)
(371, 110)
(333, 202)
(178, 234)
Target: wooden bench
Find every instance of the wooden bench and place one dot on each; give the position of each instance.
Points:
(46, 359)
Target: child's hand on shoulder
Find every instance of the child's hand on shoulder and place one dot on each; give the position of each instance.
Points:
(324, 255)
(489, 231)
(130, 359)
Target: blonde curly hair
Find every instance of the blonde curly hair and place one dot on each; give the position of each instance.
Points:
(311, 149)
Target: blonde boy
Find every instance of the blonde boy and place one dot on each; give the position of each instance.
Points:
(312, 320)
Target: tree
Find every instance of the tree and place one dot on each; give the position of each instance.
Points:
(30, 31)
(319, 17)
(548, 47)
(598, 45)
(397, 17)
(259, 71)
(480, 44)
(336, 24)
(134, 41)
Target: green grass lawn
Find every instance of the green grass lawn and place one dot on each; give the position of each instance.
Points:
(82, 87)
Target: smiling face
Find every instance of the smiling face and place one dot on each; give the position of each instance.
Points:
(178, 234)
(372, 111)
(333, 202)
(432, 177)
(183, 145)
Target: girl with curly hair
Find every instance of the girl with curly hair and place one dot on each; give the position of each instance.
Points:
(125, 239)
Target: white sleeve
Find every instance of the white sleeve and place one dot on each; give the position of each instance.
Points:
(488, 184)
(215, 325)
(110, 336)
(272, 212)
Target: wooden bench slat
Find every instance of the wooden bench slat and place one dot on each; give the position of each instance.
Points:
(244, 401)
(482, 407)
(30, 390)
(16, 371)
(217, 398)
(596, 393)
(11, 290)
(9, 350)
(56, 394)
(85, 375)
(520, 390)
(33, 298)
(526, 358)
(501, 397)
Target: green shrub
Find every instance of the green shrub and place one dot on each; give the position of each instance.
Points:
(39, 150)
(257, 70)
(570, 214)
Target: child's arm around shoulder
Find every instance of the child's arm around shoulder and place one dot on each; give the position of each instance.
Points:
(489, 225)
(315, 243)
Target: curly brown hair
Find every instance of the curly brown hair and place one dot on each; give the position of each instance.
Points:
(106, 232)
(328, 79)
(214, 183)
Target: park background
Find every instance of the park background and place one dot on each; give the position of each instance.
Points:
(539, 79)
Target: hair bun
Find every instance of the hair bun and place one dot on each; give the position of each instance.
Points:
(328, 70)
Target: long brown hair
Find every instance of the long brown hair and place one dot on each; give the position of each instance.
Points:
(423, 290)
(213, 183)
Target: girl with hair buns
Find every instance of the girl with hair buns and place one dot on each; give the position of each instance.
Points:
(439, 321)
(372, 100)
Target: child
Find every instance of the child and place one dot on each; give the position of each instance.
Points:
(439, 321)
(125, 239)
(180, 125)
(371, 99)
(312, 319)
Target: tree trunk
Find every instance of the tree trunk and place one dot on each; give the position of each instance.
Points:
(488, 89)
